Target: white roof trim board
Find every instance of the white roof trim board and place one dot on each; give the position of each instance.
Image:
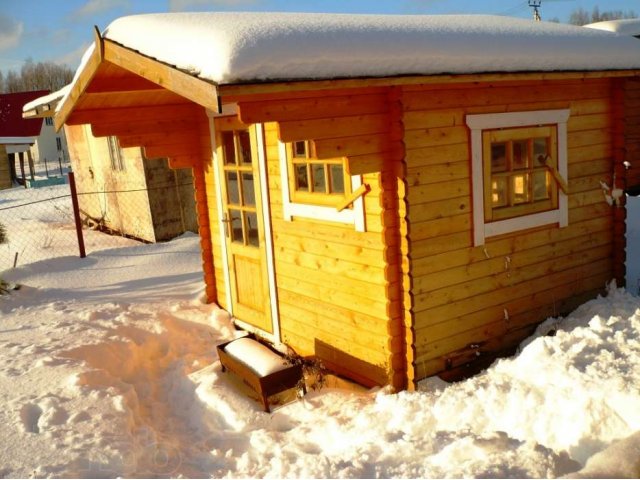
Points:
(48, 101)
(246, 47)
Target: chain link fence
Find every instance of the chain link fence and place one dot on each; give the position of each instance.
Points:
(39, 222)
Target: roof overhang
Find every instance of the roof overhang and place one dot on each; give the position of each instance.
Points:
(113, 73)
(17, 140)
(235, 92)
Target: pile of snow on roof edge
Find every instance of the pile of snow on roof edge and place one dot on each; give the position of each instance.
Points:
(227, 47)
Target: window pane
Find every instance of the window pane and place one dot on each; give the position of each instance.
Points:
(244, 139)
(540, 150)
(499, 191)
(541, 185)
(520, 186)
(233, 192)
(337, 179)
(319, 180)
(299, 150)
(228, 147)
(235, 225)
(498, 157)
(248, 194)
(302, 177)
(252, 229)
(520, 154)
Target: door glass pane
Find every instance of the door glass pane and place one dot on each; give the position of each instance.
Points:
(232, 188)
(520, 154)
(252, 229)
(235, 225)
(248, 194)
(498, 157)
(319, 181)
(337, 179)
(541, 185)
(302, 177)
(299, 150)
(520, 188)
(228, 147)
(244, 140)
(499, 191)
(540, 150)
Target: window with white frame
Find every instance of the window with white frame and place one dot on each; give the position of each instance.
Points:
(519, 165)
(315, 188)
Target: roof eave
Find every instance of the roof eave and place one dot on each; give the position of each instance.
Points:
(233, 91)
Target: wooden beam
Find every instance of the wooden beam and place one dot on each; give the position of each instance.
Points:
(79, 86)
(197, 90)
(128, 82)
(134, 114)
(162, 126)
(235, 93)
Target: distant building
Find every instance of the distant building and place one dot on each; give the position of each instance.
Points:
(121, 190)
(29, 147)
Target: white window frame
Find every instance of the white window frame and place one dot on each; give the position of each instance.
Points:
(478, 123)
(353, 216)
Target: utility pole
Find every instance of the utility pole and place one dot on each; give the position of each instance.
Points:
(536, 4)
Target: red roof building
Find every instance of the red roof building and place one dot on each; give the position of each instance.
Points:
(14, 128)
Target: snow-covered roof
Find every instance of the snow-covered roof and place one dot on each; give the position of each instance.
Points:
(46, 102)
(242, 47)
(628, 26)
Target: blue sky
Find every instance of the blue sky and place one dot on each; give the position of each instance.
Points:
(60, 30)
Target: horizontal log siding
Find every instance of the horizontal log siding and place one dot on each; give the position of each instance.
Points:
(470, 300)
(333, 282)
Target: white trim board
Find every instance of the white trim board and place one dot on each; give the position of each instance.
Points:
(478, 123)
(353, 216)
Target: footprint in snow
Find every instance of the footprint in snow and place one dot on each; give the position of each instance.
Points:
(30, 415)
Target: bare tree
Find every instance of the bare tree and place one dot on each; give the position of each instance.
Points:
(581, 17)
(37, 76)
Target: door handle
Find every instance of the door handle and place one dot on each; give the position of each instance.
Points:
(226, 221)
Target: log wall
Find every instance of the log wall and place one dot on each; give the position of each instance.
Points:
(340, 291)
(469, 301)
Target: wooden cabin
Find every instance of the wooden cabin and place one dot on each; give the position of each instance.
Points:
(397, 215)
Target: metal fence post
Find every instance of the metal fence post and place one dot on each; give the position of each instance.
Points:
(76, 214)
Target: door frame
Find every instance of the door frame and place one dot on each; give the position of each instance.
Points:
(266, 220)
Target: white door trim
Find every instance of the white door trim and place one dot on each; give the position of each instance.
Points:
(268, 239)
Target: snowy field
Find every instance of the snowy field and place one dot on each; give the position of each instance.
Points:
(108, 368)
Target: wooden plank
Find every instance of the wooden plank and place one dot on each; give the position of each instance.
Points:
(199, 91)
(440, 227)
(312, 108)
(161, 125)
(132, 115)
(501, 290)
(430, 137)
(491, 321)
(437, 173)
(348, 146)
(435, 283)
(78, 88)
(237, 92)
(437, 155)
(333, 127)
(439, 209)
(586, 220)
(368, 163)
(466, 98)
(439, 191)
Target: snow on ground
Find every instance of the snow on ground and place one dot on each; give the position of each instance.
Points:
(39, 224)
(108, 368)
